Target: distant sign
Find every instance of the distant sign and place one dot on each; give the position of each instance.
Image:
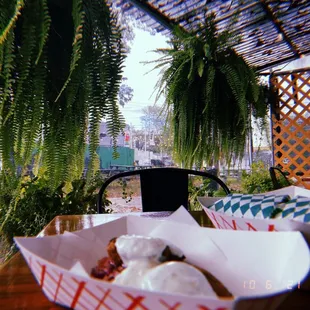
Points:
(127, 139)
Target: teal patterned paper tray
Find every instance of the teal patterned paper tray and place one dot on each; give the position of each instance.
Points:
(287, 209)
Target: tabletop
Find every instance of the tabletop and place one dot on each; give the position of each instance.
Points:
(19, 290)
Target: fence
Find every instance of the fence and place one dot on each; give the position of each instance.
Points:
(291, 124)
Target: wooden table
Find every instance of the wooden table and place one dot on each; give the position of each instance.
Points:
(306, 181)
(19, 290)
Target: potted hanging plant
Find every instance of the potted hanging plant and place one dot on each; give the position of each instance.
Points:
(210, 92)
(60, 72)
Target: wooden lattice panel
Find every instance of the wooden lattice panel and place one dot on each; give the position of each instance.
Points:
(291, 125)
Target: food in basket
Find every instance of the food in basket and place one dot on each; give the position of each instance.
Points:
(106, 269)
(176, 277)
(131, 247)
(155, 265)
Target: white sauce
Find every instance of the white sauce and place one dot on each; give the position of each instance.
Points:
(132, 247)
(134, 273)
(141, 256)
(177, 277)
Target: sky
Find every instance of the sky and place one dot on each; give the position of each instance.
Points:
(139, 76)
(143, 81)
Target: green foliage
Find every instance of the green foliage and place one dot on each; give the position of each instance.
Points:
(210, 92)
(60, 72)
(8, 17)
(198, 187)
(220, 192)
(126, 193)
(256, 181)
(37, 204)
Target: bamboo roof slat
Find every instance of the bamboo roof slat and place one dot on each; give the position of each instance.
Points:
(260, 24)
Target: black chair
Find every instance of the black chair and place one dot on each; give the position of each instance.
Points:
(281, 182)
(162, 189)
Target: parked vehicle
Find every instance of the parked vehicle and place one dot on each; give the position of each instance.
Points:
(168, 161)
(157, 163)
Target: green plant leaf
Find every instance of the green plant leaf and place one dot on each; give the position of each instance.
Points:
(201, 66)
(210, 94)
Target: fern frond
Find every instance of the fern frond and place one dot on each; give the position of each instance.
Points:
(71, 51)
(78, 21)
(35, 111)
(45, 24)
(210, 90)
(6, 70)
(5, 29)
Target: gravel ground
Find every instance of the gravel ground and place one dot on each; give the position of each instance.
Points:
(120, 205)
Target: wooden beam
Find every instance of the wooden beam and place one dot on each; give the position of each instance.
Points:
(154, 13)
(275, 73)
(283, 61)
(278, 24)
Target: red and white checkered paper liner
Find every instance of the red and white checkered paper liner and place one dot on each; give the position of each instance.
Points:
(223, 221)
(63, 287)
(70, 289)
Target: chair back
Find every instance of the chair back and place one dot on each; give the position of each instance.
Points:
(162, 189)
(275, 180)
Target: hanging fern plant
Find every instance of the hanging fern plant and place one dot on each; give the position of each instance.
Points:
(210, 92)
(60, 71)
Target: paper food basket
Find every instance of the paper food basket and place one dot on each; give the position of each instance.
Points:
(258, 268)
(221, 220)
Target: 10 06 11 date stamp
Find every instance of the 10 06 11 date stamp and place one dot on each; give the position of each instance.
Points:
(252, 284)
